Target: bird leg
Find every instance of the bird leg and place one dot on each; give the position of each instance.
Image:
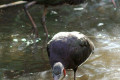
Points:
(114, 3)
(35, 30)
(75, 73)
(44, 22)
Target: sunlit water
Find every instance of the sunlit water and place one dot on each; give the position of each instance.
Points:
(21, 59)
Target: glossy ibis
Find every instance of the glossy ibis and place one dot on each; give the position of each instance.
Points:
(68, 50)
(47, 3)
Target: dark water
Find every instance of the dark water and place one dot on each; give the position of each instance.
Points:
(98, 20)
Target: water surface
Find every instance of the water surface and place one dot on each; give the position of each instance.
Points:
(21, 59)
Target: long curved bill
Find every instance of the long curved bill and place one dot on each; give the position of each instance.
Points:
(56, 78)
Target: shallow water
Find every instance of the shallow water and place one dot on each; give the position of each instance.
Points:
(21, 59)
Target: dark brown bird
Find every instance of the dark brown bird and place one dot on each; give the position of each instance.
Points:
(46, 3)
(68, 50)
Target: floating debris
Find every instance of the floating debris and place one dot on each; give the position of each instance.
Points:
(100, 24)
(15, 40)
(28, 43)
(11, 46)
(23, 40)
(38, 40)
(14, 35)
(22, 26)
(54, 12)
(78, 9)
